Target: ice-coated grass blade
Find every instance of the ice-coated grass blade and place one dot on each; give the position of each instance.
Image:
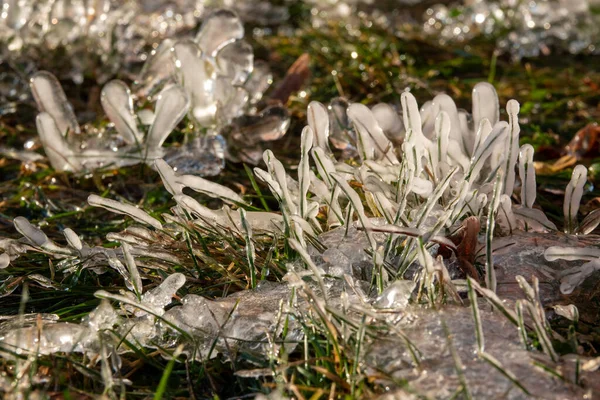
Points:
(458, 365)
(490, 273)
(590, 222)
(533, 216)
(573, 194)
(495, 301)
(118, 105)
(495, 138)
(527, 175)
(476, 316)
(310, 264)
(554, 253)
(164, 379)
(134, 273)
(512, 146)
(168, 177)
(126, 209)
(318, 119)
(304, 169)
(500, 368)
(50, 98)
(521, 323)
(250, 251)
(540, 330)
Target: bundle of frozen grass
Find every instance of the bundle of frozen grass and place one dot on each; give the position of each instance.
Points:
(378, 245)
(212, 79)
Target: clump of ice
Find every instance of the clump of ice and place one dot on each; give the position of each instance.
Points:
(212, 79)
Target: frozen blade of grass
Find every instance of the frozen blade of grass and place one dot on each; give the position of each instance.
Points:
(512, 146)
(164, 380)
(360, 335)
(426, 262)
(311, 265)
(435, 196)
(554, 253)
(32, 233)
(447, 105)
(575, 276)
(365, 143)
(256, 188)
(277, 171)
(397, 230)
(37, 237)
(495, 301)
(304, 225)
(485, 103)
(569, 312)
(304, 169)
(107, 377)
(505, 214)
(366, 224)
(521, 323)
(458, 365)
(476, 316)
(357, 205)
(118, 106)
(120, 208)
(72, 239)
(324, 165)
(250, 251)
(118, 266)
(193, 207)
(500, 368)
(573, 194)
(527, 175)
(57, 150)
(442, 130)
(168, 177)
(483, 131)
(526, 288)
(484, 151)
(103, 294)
(490, 273)
(366, 125)
(590, 222)
(540, 330)
(271, 182)
(318, 119)
(412, 117)
(210, 189)
(134, 273)
(533, 216)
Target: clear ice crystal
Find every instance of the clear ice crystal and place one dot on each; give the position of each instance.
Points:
(396, 296)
